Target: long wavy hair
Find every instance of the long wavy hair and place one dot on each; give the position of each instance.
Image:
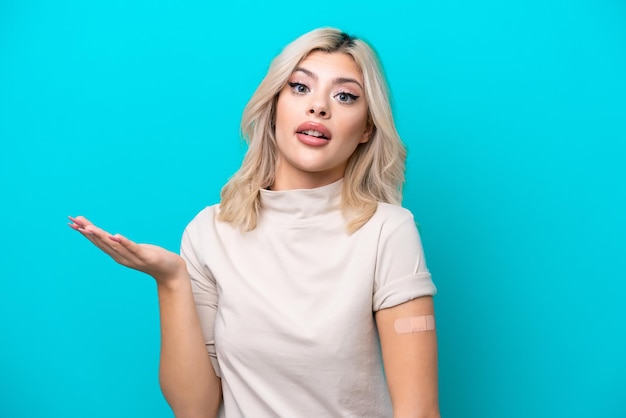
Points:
(375, 171)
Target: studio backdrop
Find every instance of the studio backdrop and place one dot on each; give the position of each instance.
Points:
(128, 112)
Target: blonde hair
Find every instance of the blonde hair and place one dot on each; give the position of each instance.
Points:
(375, 171)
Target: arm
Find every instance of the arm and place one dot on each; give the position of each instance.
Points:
(188, 380)
(410, 361)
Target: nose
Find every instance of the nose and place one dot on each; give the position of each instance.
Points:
(319, 107)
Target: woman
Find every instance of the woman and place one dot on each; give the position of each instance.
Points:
(308, 267)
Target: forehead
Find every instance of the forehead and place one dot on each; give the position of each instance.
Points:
(331, 64)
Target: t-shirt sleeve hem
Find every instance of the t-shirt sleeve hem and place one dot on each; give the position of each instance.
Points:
(403, 290)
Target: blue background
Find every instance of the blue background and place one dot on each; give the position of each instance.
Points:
(128, 112)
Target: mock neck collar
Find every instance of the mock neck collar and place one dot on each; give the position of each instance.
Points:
(301, 204)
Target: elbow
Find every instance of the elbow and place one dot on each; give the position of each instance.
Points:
(432, 412)
(190, 405)
(193, 414)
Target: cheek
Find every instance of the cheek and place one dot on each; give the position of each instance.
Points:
(355, 126)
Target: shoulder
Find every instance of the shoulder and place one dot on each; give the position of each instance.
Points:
(391, 223)
(389, 216)
(203, 220)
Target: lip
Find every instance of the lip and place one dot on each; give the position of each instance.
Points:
(313, 126)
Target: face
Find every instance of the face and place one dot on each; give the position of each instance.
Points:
(321, 118)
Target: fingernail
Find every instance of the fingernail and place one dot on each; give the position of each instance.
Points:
(84, 231)
(114, 238)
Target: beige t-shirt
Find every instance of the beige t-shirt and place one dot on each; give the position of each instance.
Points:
(287, 308)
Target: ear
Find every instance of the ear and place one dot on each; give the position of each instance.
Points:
(369, 132)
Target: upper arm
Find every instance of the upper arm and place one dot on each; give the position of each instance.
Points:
(401, 273)
(204, 289)
(410, 360)
(403, 289)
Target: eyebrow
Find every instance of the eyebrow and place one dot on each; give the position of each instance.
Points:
(338, 80)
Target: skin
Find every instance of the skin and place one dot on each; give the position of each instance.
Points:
(319, 91)
(188, 380)
(326, 88)
(410, 361)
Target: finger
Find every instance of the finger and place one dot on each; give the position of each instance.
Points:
(91, 229)
(74, 223)
(93, 235)
(79, 220)
(101, 239)
(115, 246)
(84, 231)
(122, 240)
(130, 252)
(126, 244)
(121, 250)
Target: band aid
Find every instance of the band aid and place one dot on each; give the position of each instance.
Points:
(414, 324)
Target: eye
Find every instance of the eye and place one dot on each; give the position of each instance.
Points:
(298, 88)
(347, 98)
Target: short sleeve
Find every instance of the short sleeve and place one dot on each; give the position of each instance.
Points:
(204, 288)
(401, 273)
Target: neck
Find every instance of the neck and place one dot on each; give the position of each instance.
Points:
(292, 184)
(304, 180)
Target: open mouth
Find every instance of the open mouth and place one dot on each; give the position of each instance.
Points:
(313, 133)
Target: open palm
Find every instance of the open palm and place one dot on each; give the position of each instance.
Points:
(150, 259)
